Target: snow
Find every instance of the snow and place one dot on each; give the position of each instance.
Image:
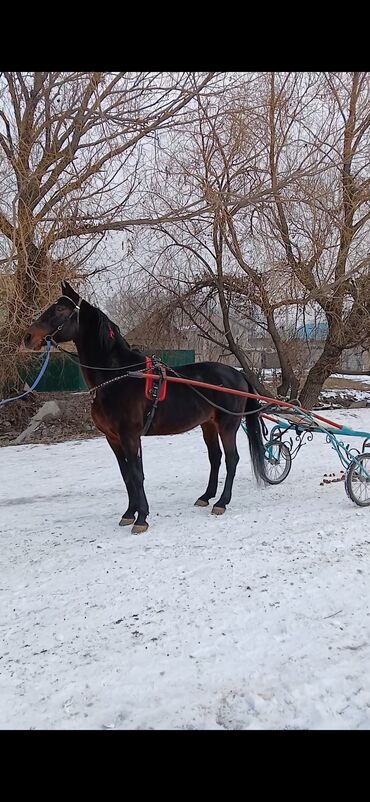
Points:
(256, 619)
(354, 378)
(352, 395)
(270, 373)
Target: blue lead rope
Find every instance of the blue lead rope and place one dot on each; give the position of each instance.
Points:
(37, 380)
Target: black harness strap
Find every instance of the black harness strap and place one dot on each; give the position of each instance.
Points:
(155, 392)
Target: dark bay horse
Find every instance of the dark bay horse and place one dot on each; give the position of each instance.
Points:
(120, 409)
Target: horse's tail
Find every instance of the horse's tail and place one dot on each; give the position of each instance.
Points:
(256, 447)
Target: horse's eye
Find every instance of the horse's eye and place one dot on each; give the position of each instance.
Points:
(59, 308)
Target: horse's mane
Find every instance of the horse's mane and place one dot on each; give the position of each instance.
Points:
(105, 329)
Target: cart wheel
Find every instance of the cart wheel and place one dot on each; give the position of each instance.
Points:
(357, 482)
(278, 462)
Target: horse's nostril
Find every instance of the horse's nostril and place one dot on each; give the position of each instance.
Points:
(27, 339)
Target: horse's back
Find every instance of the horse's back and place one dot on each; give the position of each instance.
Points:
(213, 373)
(185, 407)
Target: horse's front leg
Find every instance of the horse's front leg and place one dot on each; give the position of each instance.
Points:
(128, 517)
(131, 448)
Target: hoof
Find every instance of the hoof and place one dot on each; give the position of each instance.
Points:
(137, 529)
(126, 521)
(218, 510)
(200, 502)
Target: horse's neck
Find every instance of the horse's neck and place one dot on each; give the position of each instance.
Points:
(92, 353)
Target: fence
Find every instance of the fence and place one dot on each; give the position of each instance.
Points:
(64, 375)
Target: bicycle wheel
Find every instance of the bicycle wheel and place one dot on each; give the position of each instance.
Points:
(357, 481)
(278, 462)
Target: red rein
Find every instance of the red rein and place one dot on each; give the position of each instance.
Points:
(150, 377)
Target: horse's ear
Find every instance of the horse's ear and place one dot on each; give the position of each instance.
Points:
(66, 288)
(69, 291)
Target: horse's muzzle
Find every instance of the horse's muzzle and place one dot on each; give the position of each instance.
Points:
(34, 338)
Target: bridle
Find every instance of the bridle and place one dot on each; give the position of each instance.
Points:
(49, 337)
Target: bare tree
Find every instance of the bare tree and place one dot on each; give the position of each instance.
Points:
(141, 309)
(283, 163)
(77, 157)
(223, 158)
(317, 225)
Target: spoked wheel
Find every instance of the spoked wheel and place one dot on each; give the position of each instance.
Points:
(278, 462)
(357, 482)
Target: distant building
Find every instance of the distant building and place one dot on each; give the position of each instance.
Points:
(312, 331)
(305, 343)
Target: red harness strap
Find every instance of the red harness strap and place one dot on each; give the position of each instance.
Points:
(149, 381)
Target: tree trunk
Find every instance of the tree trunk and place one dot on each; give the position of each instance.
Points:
(325, 365)
(233, 346)
(289, 383)
(251, 377)
(289, 387)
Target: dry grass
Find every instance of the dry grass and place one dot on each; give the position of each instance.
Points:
(345, 384)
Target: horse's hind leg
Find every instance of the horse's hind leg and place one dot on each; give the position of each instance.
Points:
(228, 438)
(214, 452)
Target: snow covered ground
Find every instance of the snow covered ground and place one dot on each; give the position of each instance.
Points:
(256, 619)
(352, 377)
(353, 395)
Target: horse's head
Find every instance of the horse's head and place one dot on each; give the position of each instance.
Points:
(59, 321)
